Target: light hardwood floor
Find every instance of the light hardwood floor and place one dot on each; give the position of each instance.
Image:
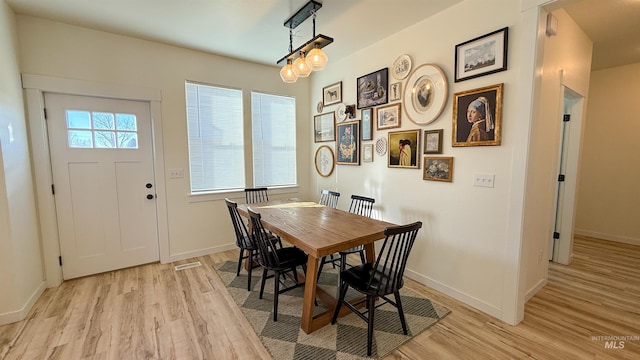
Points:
(155, 312)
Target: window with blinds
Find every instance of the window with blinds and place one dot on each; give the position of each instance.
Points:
(215, 131)
(273, 124)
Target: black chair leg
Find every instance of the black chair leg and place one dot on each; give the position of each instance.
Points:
(322, 262)
(401, 312)
(276, 290)
(240, 261)
(264, 279)
(343, 293)
(362, 256)
(250, 259)
(371, 305)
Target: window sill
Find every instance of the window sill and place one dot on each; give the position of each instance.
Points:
(238, 194)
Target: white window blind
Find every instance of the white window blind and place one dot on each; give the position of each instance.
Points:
(216, 147)
(273, 120)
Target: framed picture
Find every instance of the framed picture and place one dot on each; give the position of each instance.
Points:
(481, 56)
(477, 116)
(401, 67)
(438, 168)
(367, 153)
(425, 94)
(366, 116)
(372, 89)
(324, 160)
(348, 144)
(395, 90)
(403, 149)
(332, 94)
(324, 126)
(433, 141)
(388, 116)
(350, 110)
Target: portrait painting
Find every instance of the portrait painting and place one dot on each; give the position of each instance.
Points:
(348, 143)
(403, 149)
(373, 89)
(477, 116)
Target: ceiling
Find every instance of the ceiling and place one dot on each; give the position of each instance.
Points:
(254, 30)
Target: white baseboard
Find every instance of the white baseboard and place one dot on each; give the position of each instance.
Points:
(201, 252)
(531, 293)
(610, 237)
(22, 313)
(467, 299)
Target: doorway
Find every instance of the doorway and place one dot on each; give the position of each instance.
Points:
(103, 183)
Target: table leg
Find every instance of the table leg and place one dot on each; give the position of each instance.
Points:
(308, 304)
(370, 252)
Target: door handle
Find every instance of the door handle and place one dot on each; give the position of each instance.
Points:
(148, 186)
(149, 196)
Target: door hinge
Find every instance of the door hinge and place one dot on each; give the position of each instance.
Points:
(556, 235)
(560, 177)
(53, 189)
(45, 113)
(566, 117)
(60, 260)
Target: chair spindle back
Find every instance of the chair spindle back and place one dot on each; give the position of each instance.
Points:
(329, 198)
(256, 195)
(361, 205)
(266, 248)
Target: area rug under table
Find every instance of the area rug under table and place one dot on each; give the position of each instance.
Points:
(285, 340)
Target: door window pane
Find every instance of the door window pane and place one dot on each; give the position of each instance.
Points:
(127, 140)
(126, 122)
(78, 119)
(80, 139)
(103, 130)
(103, 121)
(105, 139)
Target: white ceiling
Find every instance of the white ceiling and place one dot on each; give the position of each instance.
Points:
(247, 29)
(253, 29)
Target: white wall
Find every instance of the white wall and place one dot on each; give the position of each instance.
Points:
(609, 202)
(21, 277)
(461, 248)
(196, 225)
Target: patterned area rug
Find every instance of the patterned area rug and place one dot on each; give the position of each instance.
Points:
(346, 340)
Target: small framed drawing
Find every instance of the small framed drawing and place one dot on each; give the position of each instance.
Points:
(401, 67)
(433, 141)
(367, 123)
(324, 126)
(332, 94)
(372, 89)
(350, 110)
(438, 168)
(324, 160)
(367, 153)
(486, 54)
(388, 116)
(348, 144)
(394, 91)
(477, 116)
(403, 149)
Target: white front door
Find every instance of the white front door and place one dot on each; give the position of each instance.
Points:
(102, 164)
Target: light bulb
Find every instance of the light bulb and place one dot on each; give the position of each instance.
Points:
(287, 74)
(300, 66)
(317, 59)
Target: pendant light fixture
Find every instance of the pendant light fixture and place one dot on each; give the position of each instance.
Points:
(297, 63)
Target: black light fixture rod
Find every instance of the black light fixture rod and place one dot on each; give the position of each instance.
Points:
(303, 14)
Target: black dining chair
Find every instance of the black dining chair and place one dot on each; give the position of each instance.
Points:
(360, 205)
(256, 195)
(329, 198)
(381, 278)
(248, 249)
(278, 260)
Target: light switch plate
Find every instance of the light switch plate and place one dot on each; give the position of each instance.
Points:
(484, 180)
(176, 173)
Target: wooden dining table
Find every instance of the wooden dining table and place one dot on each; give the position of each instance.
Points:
(318, 231)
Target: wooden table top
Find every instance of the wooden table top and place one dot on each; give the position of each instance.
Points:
(316, 229)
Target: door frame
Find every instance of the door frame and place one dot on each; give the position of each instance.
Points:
(35, 86)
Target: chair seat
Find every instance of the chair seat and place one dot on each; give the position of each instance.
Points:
(360, 278)
(289, 257)
(247, 244)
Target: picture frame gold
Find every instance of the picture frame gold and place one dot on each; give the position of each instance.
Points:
(332, 94)
(348, 143)
(438, 168)
(324, 127)
(403, 149)
(432, 141)
(486, 129)
(324, 160)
